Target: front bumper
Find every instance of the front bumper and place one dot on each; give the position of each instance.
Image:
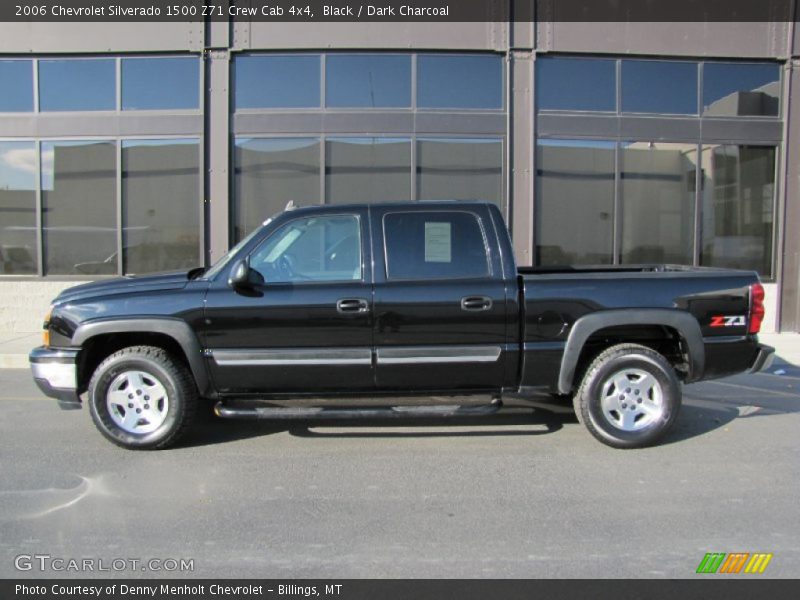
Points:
(764, 358)
(55, 371)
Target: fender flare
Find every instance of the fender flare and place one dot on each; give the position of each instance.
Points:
(178, 330)
(684, 323)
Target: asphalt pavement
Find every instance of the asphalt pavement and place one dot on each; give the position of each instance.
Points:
(526, 493)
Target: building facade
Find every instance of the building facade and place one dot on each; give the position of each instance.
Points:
(132, 148)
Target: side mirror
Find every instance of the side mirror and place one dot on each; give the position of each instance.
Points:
(242, 276)
(239, 273)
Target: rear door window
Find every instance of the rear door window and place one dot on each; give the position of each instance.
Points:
(435, 245)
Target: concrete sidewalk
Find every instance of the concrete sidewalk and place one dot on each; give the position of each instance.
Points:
(14, 348)
(787, 346)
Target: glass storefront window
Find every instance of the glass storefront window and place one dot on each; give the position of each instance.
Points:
(741, 89)
(367, 80)
(277, 81)
(367, 170)
(449, 81)
(160, 83)
(675, 203)
(18, 247)
(738, 197)
(459, 81)
(270, 172)
(160, 205)
(657, 183)
(575, 202)
(77, 84)
(666, 87)
(16, 83)
(460, 169)
(576, 84)
(79, 214)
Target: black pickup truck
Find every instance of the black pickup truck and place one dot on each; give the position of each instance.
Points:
(365, 302)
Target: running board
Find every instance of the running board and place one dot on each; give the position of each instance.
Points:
(383, 412)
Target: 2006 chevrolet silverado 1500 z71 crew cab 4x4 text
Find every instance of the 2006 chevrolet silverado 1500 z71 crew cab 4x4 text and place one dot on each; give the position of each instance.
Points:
(393, 300)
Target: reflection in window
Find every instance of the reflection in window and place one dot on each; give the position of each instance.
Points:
(365, 80)
(740, 89)
(576, 84)
(738, 199)
(651, 86)
(160, 205)
(434, 245)
(322, 248)
(277, 81)
(367, 170)
(268, 174)
(460, 169)
(657, 187)
(18, 253)
(459, 81)
(16, 83)
(79, 207)
(160, 83)
(575, 202)
(77, 84)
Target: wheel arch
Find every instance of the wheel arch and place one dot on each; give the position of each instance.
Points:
(684, 324)
(175, 335)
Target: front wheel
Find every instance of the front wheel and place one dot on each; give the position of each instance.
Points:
(142, 398)
(629, 396)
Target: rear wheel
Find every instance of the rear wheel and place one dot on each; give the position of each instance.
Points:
(629, 396)
(142, 398)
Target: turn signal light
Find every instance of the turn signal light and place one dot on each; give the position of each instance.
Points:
(46, 329)
(756, 307)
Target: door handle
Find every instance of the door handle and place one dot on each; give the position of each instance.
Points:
(352, 305)
(476, 303)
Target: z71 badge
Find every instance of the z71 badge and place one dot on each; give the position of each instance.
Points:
(728, 321)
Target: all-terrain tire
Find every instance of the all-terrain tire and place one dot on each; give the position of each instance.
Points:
(142, 398)
(629, 396)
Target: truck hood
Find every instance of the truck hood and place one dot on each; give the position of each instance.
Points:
(124, 285)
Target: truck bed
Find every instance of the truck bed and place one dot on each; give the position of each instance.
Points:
(555, 298)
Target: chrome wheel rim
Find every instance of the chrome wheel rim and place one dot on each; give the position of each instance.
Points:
(137, 402)
(632, 399)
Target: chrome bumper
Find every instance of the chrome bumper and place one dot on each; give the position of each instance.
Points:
(764, 358)
(55, 372)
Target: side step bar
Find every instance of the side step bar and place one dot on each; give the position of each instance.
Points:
(382, 412)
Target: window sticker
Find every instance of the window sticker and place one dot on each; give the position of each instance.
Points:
(438, 242)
